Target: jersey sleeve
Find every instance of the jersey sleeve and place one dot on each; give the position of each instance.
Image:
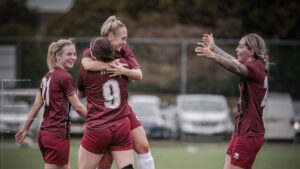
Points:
(67, 85)
(80, 79)
(132, 62)
(86, 53)
(253, 71)
(41, 85)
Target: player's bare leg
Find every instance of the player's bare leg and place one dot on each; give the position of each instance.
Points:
(54, 166)
(123, 158)
(106, 161)
(88, 160)
(141, 147)
(228, 165)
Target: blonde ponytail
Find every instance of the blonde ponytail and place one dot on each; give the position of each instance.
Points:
(51, 59)
(56, 48)
(112, 24)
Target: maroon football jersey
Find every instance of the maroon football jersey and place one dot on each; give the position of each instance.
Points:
(55, 87)
(125, 56)
(253, 90)
(106, 98)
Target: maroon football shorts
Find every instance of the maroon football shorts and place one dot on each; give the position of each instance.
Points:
(134, 121)
(243, 150)
(114, 138)
(55, 150)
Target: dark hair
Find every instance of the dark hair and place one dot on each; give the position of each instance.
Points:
(102, 49)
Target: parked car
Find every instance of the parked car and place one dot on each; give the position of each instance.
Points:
(147, 109)
(13, 117)
(203, 114)
(170, 121)
(296, 120)
(277, 116)
(15, 111)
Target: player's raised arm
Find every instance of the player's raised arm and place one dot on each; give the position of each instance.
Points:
(211, 51)
(38, 103)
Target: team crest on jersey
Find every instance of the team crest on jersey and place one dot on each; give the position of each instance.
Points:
(236, 156)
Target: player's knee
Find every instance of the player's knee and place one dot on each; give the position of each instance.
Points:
(130, 166)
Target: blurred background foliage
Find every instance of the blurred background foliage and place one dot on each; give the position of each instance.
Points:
(226, 18)
(161, 64)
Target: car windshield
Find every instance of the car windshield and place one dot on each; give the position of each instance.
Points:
(145, 109)
(202, 105)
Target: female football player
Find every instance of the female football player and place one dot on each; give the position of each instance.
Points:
(107, 123)
(56, 93)
(115, 31)
(251, 65)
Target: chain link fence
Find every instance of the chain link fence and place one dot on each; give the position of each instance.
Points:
(169, 65)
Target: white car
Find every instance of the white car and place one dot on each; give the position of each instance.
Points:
(147, 109)
(15, 111)
(14, 116)
(202, 114)
(295, 122)
(277, 116)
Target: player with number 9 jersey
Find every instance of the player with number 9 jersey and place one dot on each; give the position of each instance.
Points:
(107, 123)
(106, 97)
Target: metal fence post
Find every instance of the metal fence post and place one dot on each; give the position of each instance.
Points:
(183, 66)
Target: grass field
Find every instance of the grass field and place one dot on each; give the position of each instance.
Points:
(167, 155)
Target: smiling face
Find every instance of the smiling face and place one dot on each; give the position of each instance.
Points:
(118, 39)
(243, 52)
(67, 57)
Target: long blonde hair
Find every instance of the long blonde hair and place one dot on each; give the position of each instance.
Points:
(56, 48)
(112, 24)
(257, 43)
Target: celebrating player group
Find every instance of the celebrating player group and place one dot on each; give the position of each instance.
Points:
(113, 131)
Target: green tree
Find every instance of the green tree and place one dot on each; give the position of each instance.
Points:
(83, 19)
(16, 19)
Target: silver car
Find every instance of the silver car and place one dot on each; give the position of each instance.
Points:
(147, 109)
(296, 120)
(201, 114)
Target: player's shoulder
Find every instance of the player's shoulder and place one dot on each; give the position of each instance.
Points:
(256, 64)
(59, 73)
(86, 52)
(255, 69)
(126, 50)
(82, 70)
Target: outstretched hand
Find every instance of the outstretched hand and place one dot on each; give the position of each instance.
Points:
(208, 40)
(204, 50)
(117, 68)
(20, 136)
